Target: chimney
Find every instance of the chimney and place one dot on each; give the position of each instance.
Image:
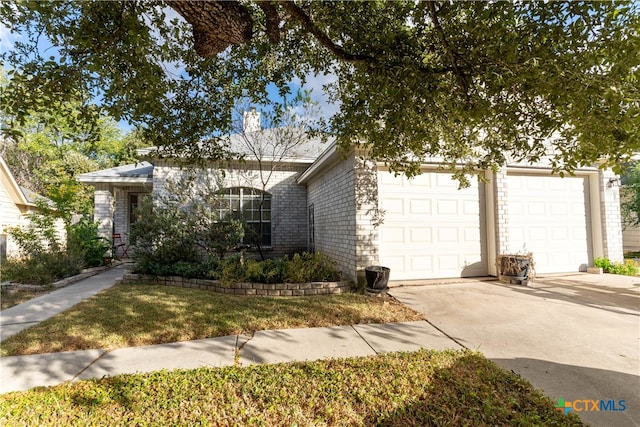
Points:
(251, 121)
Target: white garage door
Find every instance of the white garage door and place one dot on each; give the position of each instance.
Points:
(549, 217)
(431, 229)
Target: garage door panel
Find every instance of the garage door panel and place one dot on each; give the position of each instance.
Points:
(550, 219)
(421, 235)
(447, 207)
(420, 207)
(392, 235)
(471, 235)
(442, 227)
(393, 206)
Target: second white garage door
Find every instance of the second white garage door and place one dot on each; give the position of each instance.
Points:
(549, 216)
(431, 229)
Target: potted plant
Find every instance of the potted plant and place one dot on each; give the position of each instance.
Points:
(377, 278)
(515, 268)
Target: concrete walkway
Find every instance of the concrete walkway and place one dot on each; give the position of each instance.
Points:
(22, 316)
(19, 373)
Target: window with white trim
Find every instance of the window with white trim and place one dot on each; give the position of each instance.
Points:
(245, 203)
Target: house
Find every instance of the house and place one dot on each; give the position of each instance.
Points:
(353, 209)
(16, 203)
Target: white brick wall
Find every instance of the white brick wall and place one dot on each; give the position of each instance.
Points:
(333, 197)
(103, 209)
(366, 214)
(611, 216)
(288, 204)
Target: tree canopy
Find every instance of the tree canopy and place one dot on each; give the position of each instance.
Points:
(471, 83)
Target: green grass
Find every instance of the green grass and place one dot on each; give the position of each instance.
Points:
(135, 315)
(452, 388)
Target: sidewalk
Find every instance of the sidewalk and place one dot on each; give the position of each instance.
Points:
(285, 345)
(19, 373)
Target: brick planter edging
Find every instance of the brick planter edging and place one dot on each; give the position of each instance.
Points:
(278, 289)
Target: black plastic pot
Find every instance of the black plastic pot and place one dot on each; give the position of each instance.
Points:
(377, 278)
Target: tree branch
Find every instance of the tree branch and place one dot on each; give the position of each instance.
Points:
(324, 40)
(216, 24)
(452, 55)
(273, 19)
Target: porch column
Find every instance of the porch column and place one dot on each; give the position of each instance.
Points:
(103, 209)
(610, 214)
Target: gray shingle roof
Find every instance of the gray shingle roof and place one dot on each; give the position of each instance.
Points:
(137, 172)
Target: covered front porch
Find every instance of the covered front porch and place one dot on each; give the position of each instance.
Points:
(118, 191)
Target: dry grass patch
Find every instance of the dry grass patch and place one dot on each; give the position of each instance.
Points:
(135, 315)
(423, 388)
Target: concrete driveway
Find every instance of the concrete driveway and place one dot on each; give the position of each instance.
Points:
(576, 337)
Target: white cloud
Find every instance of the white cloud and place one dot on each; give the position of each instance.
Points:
(317, 83)
(7, 39)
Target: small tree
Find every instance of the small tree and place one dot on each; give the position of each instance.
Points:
(286, 130)
(184, 223)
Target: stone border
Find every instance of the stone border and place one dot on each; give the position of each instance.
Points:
(278, 289)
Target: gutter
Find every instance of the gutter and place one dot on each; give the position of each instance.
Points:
(327, 157)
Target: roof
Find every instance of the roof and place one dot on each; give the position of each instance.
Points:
(141, 172)
(268, 143)
(19, 195)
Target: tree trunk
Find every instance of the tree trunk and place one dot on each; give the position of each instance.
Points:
(216, 24)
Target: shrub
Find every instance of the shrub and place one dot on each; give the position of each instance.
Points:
(300, 268)
(602, 263)
(310, 267)
(233, 269)
(44, 257)
(49, 267)
(84, 242)
(628, 268)
(274, 270)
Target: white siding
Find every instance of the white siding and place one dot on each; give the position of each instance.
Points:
(288, 205)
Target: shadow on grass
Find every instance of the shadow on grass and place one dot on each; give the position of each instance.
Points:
(398, 389)
(136, 315)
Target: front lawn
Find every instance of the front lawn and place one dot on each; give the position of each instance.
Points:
(136, 315)
(452, 388)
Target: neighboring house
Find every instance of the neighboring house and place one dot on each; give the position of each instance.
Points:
(352, 209)
(16, 203)
(631, 239)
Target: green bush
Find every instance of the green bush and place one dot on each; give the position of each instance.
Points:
(83, 240)
(300, 268)
(310, 267)
(233, 269)
(49, 267)
(44, 257)
(602, 263)
(274, 270)
(628, 268)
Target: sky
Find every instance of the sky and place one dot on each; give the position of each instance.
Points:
(314, 83)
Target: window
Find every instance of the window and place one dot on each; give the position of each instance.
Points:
(133, 206)
(245, 203)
